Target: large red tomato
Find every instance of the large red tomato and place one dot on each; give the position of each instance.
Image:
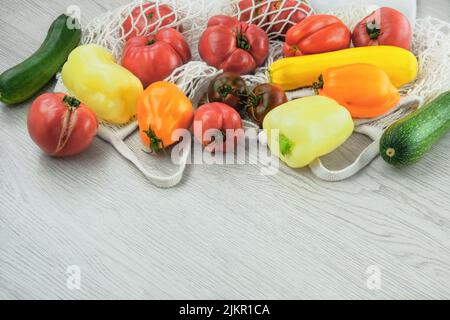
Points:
(385, 26)
(286, 10)
(233, 46)
(147, 15)
(154, 58)
(317, 34)
(60, 125)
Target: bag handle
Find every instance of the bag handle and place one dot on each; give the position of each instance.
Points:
(116, 140)
(370, 153)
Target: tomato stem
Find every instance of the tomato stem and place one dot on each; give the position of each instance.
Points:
(225, 90)
(241, 41)
(149, 43)
(156, 144)
(253, 100)
(373, 30)
(71, 102)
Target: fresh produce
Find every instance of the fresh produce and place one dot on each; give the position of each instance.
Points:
(60, 125)
(272, 15)
(409, 139)
(365, 90)
(385, 26)
(228, 88)
(162, 109)
(27, 78)
(213, 125)
(286, 10)
(145, 19)
(297, 72)
(233, 46)
(308, 129)
(263, 99)
(111, 91)
(252, 11)
(154, 58)
(317, 34)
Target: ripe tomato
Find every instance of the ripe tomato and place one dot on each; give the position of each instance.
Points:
(228, 88)
(317, 34)
(253, 11)
(289, 10)
(263, 99)
(233, 46)
(60, 125)
(214, 123)
(385, 26)
(154, 58)
(145, 16)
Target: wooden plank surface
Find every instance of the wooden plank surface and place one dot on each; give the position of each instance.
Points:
(225, 232)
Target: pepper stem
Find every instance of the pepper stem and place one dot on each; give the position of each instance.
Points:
(286, 145)
(156, 144)
(71, 102)
(373, 30)
(149, 43)
(319, 84)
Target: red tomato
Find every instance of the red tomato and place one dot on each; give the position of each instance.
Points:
(233, 46)
(228, 88)
(60, 125)
(147, 15)
(211, 123)
(263, 99)
(253, 11)
(154, 58)
(385, 26)
(287, 10)
(317, 34)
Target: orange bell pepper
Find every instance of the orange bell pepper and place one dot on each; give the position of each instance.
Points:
(364, 89)
(162, 109)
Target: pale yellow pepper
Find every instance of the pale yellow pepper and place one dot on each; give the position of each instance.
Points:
(305, 129)
(92, 75)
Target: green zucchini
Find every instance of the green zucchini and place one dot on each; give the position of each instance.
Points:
(25, 79)
(407, 140)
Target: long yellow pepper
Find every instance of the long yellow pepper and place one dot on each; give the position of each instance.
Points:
(292, 73)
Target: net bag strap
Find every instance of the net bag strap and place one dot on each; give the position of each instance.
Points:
(160, 181)
(367, 156)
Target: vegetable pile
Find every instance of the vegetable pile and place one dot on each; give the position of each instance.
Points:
(356, 74)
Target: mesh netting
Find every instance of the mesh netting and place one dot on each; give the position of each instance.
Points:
(431, 45)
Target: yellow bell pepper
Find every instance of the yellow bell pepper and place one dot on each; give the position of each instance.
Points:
(292, 73)
(308, 128)
(92, 75)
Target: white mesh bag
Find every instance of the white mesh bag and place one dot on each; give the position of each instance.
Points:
(431, 46)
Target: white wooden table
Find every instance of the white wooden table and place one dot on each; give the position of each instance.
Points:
(226, 231)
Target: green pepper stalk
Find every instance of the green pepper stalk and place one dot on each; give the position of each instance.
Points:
(156, 144)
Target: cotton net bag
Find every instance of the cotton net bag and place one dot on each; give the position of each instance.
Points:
(431, 44)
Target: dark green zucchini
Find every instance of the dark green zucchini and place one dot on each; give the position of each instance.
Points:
(24, 80)
(407, 141)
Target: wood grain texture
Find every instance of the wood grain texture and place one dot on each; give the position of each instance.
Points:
(226, 232)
